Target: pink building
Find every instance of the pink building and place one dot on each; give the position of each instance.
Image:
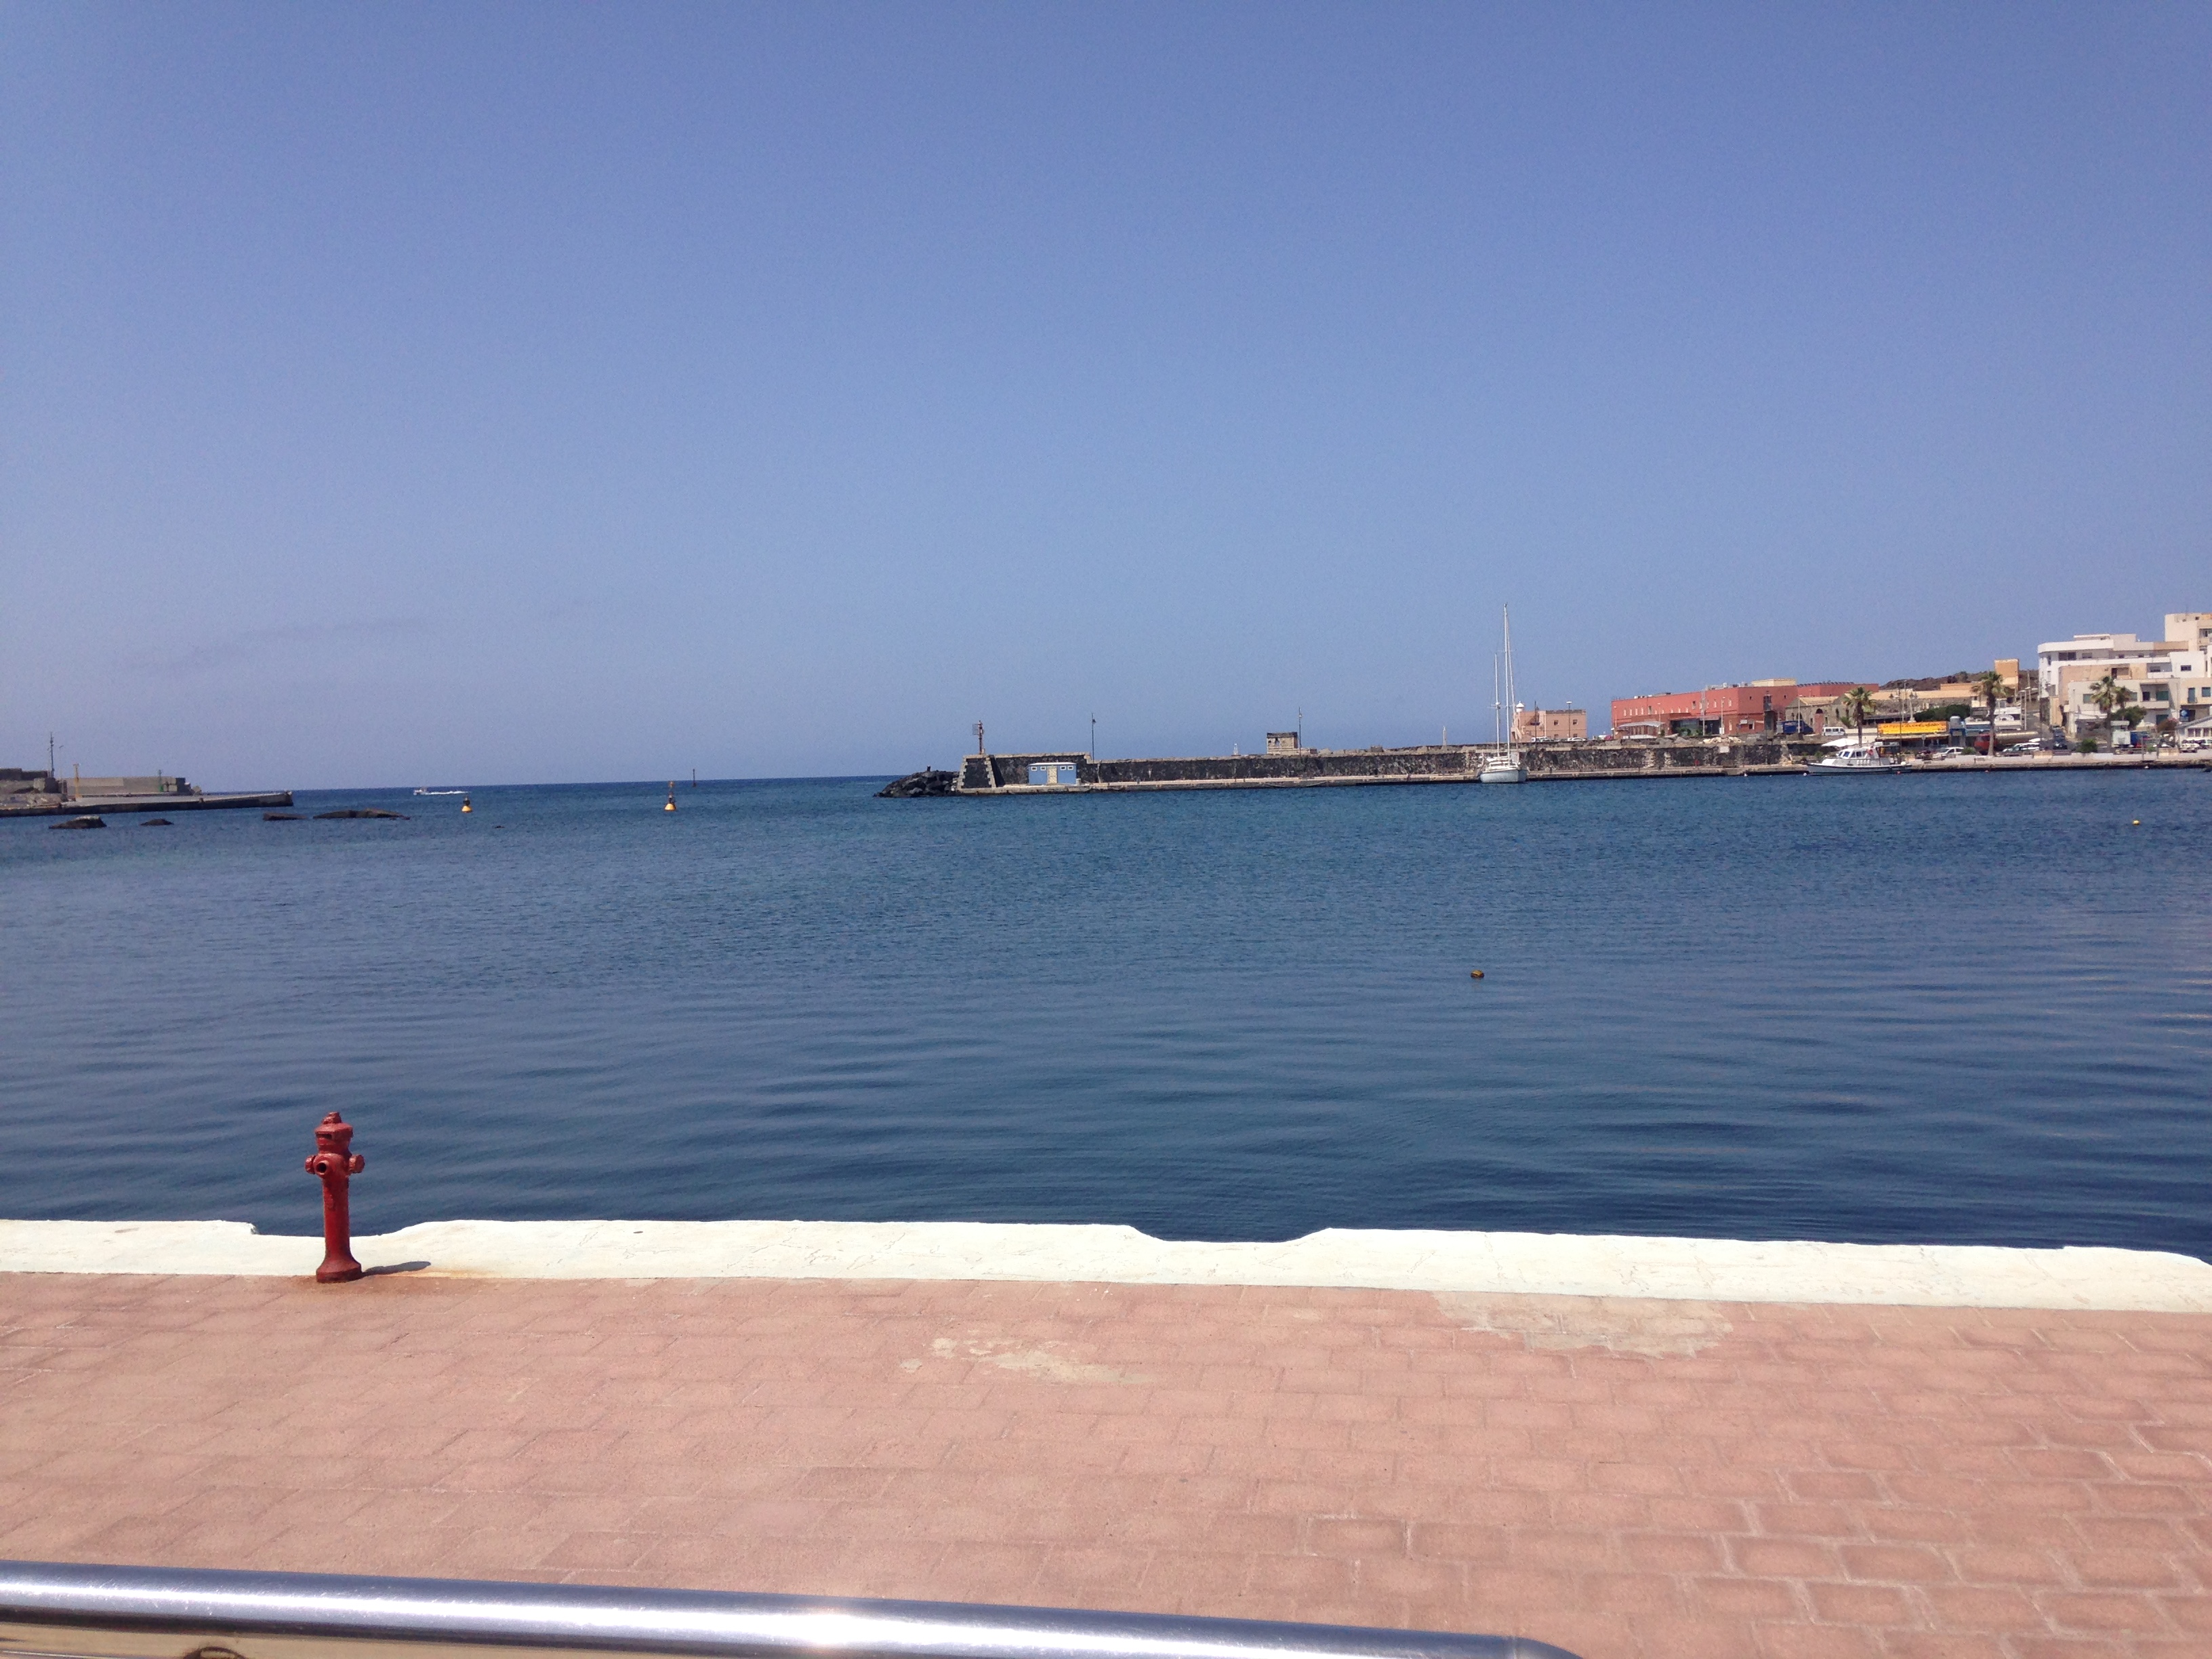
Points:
(1724, 711)
(1549, 725)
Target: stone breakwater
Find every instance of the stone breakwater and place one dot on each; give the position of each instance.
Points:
(1069, 771)
(1064, 771)
(35, 806)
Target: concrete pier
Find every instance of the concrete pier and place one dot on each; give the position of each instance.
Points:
(1065, 772)
(1457, 1263)
(1010, 774)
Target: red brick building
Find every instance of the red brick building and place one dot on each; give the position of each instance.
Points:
(1723, 710)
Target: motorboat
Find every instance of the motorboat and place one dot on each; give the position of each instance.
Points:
(1505, 766)
(1857, 757)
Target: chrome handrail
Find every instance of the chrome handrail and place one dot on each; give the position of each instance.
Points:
(84, 1612)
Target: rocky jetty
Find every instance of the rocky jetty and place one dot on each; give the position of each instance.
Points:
(927, 782)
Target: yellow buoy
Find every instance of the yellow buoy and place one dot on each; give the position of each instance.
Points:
(466, 807)
(1474, 973)
(670, 807)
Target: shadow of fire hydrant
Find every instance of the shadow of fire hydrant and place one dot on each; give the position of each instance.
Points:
(337, 1164)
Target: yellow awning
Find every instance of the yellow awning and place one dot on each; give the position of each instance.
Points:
(1914, 728)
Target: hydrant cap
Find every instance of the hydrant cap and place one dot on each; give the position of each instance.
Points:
(333, 1134)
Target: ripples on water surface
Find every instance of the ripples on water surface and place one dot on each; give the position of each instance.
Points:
(1961, 1009)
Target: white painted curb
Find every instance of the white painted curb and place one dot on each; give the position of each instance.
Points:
(1697, 1269)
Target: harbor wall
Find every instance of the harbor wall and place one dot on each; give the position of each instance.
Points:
(1426, 763)
(1456, 764)
(33, 807)
(1546, 762)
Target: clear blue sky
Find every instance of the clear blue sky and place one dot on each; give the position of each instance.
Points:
(470, 393)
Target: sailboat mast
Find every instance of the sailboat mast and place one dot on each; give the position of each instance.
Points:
(1512, 708)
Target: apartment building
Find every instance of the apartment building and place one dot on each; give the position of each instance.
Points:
(2168, 676)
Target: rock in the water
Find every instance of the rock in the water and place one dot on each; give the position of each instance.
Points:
(280, 818)
(360, 812)
(80, 824)
(156, 823)
(927, 782)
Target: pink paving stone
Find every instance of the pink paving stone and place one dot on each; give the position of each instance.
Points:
(1624, 1479)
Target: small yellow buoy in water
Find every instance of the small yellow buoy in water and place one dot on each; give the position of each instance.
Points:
(1474, 973)
(670, 807)
(2137, 822)
(466, 807)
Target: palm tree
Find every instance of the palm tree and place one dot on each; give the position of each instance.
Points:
(1857, 704)
(1990, 684)
(2110, 697)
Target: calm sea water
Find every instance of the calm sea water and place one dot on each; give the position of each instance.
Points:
(1962, 1008)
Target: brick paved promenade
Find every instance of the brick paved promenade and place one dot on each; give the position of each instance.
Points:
(1621, 1477)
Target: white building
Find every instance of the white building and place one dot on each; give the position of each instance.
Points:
(2170, 675)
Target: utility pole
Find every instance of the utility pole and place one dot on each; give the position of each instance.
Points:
(1094, 739)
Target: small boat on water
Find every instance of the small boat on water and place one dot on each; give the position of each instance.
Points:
(441, 792)
(1856, 758)
(1505, 766)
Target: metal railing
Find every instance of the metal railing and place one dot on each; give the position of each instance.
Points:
(76, 1612)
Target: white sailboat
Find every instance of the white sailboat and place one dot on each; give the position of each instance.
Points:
(1504, 766)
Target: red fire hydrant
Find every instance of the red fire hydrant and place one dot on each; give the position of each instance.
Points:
(336, 1164)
